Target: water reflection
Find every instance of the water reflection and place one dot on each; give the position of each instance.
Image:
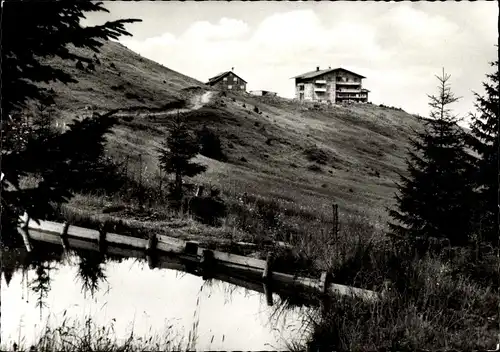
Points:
(126, 294)
(90, 271)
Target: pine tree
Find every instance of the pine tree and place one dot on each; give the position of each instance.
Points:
(178, 149)
(484, 141)
(32, 31)
(37, 29)
(434, 199)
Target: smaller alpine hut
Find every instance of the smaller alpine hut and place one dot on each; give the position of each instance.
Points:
(228, 81)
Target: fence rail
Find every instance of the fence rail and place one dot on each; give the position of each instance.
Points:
(168, 252)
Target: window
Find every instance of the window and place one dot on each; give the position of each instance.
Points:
(301, 87)
(235, 79)
(229, 87)
(225, 78)
(242, 87)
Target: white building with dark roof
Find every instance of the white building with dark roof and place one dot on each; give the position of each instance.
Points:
(336, 85)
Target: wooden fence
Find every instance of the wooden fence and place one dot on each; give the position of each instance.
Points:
(172, 253)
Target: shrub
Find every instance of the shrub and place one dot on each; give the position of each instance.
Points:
(314, 167)
(210, 144)
(256, 109)
(207, 209)
(130, 95)
(118, 87)
(317, 155)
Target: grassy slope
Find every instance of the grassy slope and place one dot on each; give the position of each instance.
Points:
(108, 86)
(359, 140)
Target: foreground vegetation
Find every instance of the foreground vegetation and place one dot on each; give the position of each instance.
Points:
(446, 301)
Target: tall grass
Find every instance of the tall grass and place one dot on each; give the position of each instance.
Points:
(74, 335)
(436, 301)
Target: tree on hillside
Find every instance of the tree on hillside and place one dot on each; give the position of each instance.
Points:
(484, 141)
(179, 147)
(435, 199)
(32, 31)
(39, 29)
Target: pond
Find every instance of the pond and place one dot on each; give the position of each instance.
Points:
(49, 285)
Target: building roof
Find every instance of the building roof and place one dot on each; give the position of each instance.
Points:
(315, 73)
(263, 90)
(221, 75)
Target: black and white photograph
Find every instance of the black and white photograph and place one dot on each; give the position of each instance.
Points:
(249, 176)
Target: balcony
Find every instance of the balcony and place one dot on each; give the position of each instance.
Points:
(350, 96)
(348, 91)
(320, 81)
(348, 83)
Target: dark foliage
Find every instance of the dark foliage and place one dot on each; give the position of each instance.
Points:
(314, 167)
(316, 155)
(90, 271)
(60, 161)
(208, 210)
(210, 144)
(35, 29)
(484, 141)
(51, 158)
(435, 199)
(175, 156)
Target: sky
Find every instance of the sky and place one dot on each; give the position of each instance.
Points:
(400, 47)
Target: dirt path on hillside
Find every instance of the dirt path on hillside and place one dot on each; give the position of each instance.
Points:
(196, 102)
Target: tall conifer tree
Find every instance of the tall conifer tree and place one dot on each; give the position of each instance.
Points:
(434, 199)
(484, 141)
(175, 156)
(32, 31)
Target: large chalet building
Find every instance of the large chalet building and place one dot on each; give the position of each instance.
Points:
(228, 81)
(335, 85)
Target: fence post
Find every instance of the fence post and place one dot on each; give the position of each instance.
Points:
(267, 279)
(64, 236)
(267, 273)
(207, 261)
(268, 293)
(102, 239)
(160, 193)
(152, 242)
(140, 181)
(335, 227)
(324, 281)
(151, 250)
(191, 248)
